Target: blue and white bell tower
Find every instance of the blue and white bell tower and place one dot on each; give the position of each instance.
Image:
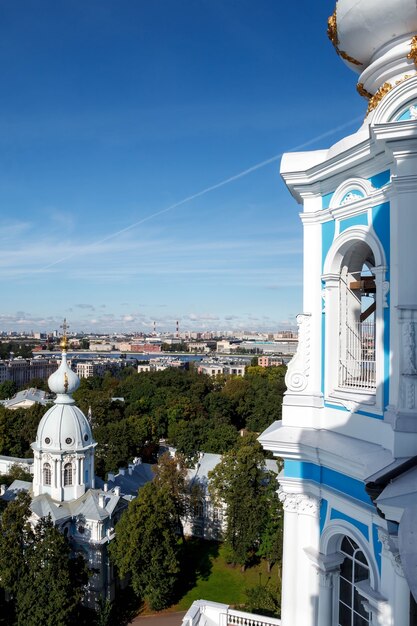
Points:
(349, 425)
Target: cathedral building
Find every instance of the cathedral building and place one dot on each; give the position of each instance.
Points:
(64, 482)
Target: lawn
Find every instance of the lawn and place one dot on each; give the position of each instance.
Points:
(215, 580)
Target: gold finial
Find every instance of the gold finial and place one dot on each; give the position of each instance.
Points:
(64, 339)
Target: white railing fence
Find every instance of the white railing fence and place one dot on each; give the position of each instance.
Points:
(203, 612)
(357, 360)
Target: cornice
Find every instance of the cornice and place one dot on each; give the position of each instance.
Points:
(325, 448)
(405, 131)
(404, 184)
(348, 210)
(327, 176)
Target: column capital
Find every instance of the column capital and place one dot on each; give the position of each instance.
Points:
(305, 504)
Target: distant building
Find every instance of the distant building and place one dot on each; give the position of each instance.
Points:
(214, 368)
(25, 399)
(22, 371)
(101, 346)
(159, 364)
(269, 361)
(145, 347)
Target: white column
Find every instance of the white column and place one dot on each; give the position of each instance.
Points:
(325, 599)
(300, 587)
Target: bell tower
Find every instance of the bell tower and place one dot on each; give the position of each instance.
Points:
(350, 411)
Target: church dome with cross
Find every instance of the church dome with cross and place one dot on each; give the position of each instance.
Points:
(64, 446)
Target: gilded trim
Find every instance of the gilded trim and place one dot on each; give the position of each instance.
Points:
(334, 38)
(413, 51)
(363, 92)
(349, 58)
(332, 29)
(382, 91)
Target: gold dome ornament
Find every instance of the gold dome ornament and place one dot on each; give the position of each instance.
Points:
(64, 339)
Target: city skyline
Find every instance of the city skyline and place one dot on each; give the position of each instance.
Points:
(139, 160)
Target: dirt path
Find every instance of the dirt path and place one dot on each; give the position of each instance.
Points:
(160, 619)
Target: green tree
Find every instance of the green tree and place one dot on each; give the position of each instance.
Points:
(8, 388)
(171, 474)
(36, 568)
(15, 535)
(270, 547)
(54, 582)
(146, 545)
(238, 482)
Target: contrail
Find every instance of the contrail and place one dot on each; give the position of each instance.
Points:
(203, 192)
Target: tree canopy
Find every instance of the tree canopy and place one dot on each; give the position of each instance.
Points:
(46, 582)
(193, 411)
(240, 481)
(146, 545)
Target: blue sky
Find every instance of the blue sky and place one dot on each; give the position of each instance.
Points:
(113, 113)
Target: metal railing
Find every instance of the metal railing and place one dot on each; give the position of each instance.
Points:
(357, 364)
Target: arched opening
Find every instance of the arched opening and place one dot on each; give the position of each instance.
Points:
(354, 569)
(47, 474)
(357, 328)
(355, 298)
(67, 474)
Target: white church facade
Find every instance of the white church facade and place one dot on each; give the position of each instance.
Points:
(348, 434)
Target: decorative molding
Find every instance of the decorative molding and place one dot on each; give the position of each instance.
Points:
(351, 191)
(298, 370)
(383, 91)
(391, 550)
(409, 349)
(385, 292)
(299, 503)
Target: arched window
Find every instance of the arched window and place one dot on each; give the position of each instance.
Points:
(357, 306)
(353, 570)
(47, 475)
(67, 474)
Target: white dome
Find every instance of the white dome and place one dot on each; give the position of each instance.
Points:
(378, 40)
(365, 26)
(63, 427)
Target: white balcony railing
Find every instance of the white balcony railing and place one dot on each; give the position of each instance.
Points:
(357, 365)
(203, 612)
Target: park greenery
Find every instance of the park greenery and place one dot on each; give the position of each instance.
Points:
(131, 412)
(152, 524)
(192, 411)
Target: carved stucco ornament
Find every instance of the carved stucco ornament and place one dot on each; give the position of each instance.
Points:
(299, 502)
(298, 370)
(382, 91)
